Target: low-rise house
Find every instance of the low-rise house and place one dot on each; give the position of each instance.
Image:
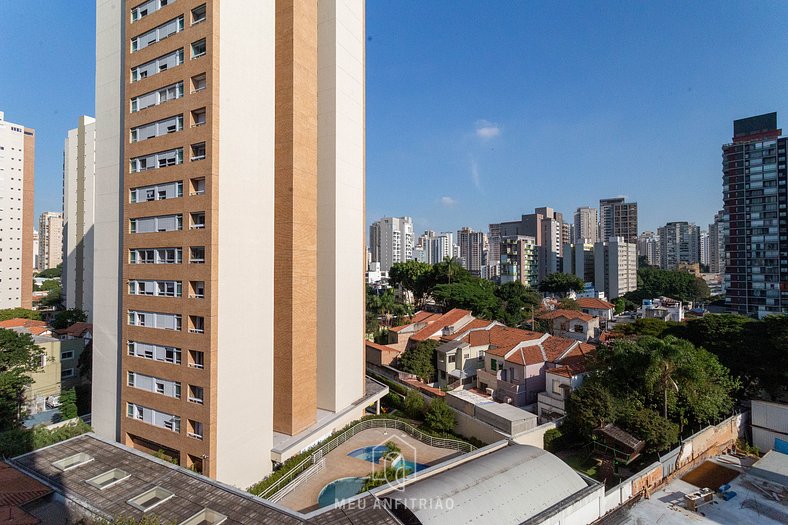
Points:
(573, 324)
(515, 363)
(663, 308)
(566, 376)
(597, 308)
(398, 336)
(461, 355)
(80, 330)
(58, 363)
(380, 355)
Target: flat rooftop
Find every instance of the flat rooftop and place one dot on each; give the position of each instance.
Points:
(503, 410)
(751, 505)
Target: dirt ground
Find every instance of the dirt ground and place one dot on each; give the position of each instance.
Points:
(710, 475)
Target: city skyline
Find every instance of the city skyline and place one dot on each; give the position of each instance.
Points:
(454, 126)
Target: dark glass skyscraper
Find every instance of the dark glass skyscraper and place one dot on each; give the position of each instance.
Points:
(755, 196)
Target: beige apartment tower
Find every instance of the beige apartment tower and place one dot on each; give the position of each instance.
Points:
(50, 240)
(17, 162)
(229, 228)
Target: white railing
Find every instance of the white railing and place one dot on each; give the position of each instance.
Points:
(320, 453)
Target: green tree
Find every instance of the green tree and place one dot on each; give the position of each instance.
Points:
(659, 433)
(589, 407)
(476, 295)
(646, 327)
(655, 282)
(51, 273)
(68, 403)
(439, 416)
(448, 271)
(419, 359)
(516, 302)
(413, 277)
(19, 313)
(568, 304)
(621, 305)
(19, 356)
(561, 283)
(414, 404)
(50, 284)
(68, 317)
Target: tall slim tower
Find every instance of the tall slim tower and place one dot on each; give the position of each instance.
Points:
(79, 178)
(755, 197)
(17, 162)
(229, 228)
(586, 225)
(50, 240)
(618, 218)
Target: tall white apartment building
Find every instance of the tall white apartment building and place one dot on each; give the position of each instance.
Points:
(717, 243)
(79, 178)
(35, 250)
(50, 240)
(229, 195)
(648, 247)
(17, 161)
(391, 241)
(472, 249)
(615, 267)
(704, 247)
(586, 226)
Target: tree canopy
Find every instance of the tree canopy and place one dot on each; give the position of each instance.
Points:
(19, 313)
(652, 387)
(419, 359)
(561, 283)
(655, 282)
(68, 317)
(19, 356)
(51, 273)
(412, 276)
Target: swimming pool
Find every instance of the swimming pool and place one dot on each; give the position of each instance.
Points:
(340, 489)
(374, 453)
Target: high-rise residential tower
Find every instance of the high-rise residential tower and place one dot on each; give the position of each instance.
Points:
(17, 162)
(679, 243)
(618, 218)
(648, 247)
(391, 241)
(717, 243)
(755, 197)
(586, 226)
(50, 240)
(471, 245)
(79, 176)
(615, 267)
(229, 197)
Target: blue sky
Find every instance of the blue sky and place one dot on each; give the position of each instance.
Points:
(480, 111)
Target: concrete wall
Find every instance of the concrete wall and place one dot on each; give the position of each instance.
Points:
(769, 421)
(535, 436)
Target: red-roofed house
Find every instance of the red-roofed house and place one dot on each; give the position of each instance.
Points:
(400, 335)
(573, 324)
(515, 362)
(380, 355)
(566, 375)
(596, 307)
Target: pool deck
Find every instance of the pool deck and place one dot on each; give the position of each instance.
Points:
(339, 465)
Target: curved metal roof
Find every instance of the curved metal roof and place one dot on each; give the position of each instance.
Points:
(509, 485)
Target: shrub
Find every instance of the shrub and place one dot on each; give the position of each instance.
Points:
(68, 404)
(553, 440)
(439, 416)
(414, 405)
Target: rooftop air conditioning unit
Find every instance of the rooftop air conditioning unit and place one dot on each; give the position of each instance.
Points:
(489, 391)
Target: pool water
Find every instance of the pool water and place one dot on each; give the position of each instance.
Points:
(412, 466)
(340, 489)
(372, 454)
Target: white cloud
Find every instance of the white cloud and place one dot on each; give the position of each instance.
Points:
(448, 201)
(486, 130)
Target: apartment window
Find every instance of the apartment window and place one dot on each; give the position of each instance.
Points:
(157, 34)
(159, 320)
(161, 223)
(195, 429)
(198, 117)
(198, 14)
(170, 190)
(157, 65)
(196, 324)
(197, 186)
(146, 8)
(155, 288)
(157, 97)
(154, 161)
(198, 49)
(156, 256)
(68, 354)
(197, 289)
(451, 358)
(197, 220)
(198, 151)
(157, 129)
(197, 255)
(196, 394)
(66, 373)
(196, 359)
(198, 83)
(165, 354)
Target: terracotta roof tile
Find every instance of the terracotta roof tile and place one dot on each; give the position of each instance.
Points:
(382, 348)
(18, 322)
(568, 314)
(592, 302)
(76, 329)
(449, 318)
(555, 346)
(17, 488)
